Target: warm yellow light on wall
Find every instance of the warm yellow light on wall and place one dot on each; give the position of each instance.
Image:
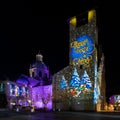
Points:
(90, 15)
(73, 21)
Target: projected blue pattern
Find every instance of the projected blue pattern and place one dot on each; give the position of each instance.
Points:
(96, 85)
(63, 83)
(75, 81)
(81, 50)
(77, 85)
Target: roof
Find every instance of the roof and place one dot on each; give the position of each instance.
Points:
(25, 80)
(39, 64)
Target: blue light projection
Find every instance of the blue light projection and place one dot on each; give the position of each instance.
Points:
(63, 83)
(78, 86)
(96, 86)
(81, 50)
(75, 80)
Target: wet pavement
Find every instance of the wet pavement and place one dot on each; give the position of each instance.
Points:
(62, 115)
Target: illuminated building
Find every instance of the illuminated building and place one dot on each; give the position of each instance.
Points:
(34, 90)
(78, 86)
(115, 101)
(81, 84)
(40, 81)
(15, 94)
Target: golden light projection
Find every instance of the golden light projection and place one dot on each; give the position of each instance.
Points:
(90, 15)
(73, 21)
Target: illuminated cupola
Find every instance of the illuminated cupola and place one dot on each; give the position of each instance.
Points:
(39, 57)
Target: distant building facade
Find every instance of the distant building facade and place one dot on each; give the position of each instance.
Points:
(81, 84)
(15, 94)
(115, 101)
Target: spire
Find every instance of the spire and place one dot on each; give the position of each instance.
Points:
(39, 56)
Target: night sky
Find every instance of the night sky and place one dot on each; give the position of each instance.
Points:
(28, 27)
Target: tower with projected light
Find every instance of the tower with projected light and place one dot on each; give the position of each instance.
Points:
(84, 83)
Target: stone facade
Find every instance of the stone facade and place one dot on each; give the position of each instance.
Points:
(84, 75)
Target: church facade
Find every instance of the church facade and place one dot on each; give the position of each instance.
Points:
(30, 90)
(40, 81)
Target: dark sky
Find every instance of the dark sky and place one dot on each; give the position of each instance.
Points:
(27, 27)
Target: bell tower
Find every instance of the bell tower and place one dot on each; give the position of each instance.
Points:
(34, 68)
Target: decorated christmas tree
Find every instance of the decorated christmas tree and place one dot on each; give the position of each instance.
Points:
(86, 80)
(75, 81)
(63, 83)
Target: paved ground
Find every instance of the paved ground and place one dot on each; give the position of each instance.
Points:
(62, 115)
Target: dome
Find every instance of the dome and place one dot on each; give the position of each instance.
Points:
(39, 65)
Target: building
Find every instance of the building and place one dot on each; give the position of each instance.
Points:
(40, 81)
(33, 90)
(115, 101)
(14, 94)
(81, 86)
